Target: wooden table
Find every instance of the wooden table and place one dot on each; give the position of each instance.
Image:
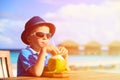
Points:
(33, 78)
(74, 75)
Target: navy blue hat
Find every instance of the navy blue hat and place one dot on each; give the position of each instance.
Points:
(31, 24)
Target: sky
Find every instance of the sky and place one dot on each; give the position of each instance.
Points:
(78, 20)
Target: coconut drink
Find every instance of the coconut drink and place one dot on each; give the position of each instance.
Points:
(57, 64)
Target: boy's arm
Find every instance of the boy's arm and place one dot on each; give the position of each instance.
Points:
(37, 69)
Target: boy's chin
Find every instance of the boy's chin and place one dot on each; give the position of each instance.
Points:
(44, 45)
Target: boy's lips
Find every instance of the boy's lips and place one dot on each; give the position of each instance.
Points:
(43, 42)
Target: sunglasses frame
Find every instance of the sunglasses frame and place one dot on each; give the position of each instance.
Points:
(48, 35)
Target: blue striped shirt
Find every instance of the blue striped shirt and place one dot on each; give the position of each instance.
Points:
(26, 59)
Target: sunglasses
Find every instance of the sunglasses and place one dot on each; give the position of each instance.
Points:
(41, 35)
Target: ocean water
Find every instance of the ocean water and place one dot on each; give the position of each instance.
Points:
(14, 56)
(81, 59)
(86, 61)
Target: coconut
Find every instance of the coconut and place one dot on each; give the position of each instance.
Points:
(56, 63)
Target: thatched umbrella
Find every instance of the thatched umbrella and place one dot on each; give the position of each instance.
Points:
(93, 47)
(72, 46)
(114, 47)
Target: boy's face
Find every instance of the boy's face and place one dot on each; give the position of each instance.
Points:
(39, 37)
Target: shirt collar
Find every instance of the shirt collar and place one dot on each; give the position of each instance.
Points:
(33, 51)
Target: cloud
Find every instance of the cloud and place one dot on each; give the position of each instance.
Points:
(64, 2)
(10, 31)
(5, 39)
(88, 22)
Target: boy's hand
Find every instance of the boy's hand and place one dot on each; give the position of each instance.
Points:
(52, 49)
(63, 51)
(57, 50)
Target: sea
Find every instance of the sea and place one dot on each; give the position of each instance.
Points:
(103, 63)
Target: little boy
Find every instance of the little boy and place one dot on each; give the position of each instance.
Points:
(34, 57)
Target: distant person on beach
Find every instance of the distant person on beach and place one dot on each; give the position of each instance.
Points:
(34, 57)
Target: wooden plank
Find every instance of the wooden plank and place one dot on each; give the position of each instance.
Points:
(1, 69)
(6, 65)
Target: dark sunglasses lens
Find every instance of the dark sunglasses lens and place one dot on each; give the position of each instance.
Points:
(48, 35)
(39, 34)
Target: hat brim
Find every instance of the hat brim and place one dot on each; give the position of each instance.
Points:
(27, 31)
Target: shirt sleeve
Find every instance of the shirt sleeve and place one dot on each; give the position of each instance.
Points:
(25, 59)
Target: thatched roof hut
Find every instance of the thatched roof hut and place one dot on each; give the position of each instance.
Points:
(93, 47)
(72, 46)
(114, 47)
(114, 44)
